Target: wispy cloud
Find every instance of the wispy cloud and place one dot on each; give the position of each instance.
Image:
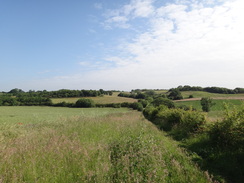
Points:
(135, 9)
(196, 42)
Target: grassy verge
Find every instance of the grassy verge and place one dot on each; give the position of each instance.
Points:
(43, 144)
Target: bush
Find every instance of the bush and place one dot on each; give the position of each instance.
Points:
(137, 106)
(229, 133)
(178, 122)
(175, 94)
(163, 101)
(206, 103)
(84, 102)
(143, 102)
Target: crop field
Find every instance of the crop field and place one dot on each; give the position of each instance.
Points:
(98, 100)
(52, 144)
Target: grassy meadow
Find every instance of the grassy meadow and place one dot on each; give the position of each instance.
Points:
(217, 110)
(98, 100)
(47, 144)
(200, 94)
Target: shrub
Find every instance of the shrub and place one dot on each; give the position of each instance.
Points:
(84, 102)
(178, 122)
(175, 94)
(206, 103)
(137, 106)
(143, 102)
(163, 101)
(229, 133)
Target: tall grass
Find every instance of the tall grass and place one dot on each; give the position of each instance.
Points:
(88, 145)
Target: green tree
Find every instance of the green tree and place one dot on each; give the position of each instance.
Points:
(175, 94)
(163, 101)
(206, 104)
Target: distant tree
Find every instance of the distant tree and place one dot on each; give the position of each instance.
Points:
(206, 104)
(150, 93)
(85, 102)
(16, 91)
(175, 94)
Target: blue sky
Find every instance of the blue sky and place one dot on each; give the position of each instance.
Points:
(122, 44)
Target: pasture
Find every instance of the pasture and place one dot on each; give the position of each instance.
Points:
(216, 111)
(47, 144)
(200, 94)
(98, 100)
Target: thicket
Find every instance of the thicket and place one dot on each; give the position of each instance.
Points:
(178, 122)
(218, 148)
(63, 93)
(24, 101)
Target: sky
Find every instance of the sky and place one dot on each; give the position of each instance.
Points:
(121, 45)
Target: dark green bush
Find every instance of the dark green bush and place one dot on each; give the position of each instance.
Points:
(229, 133)
(178, 122)
(206, 104)
(84, 102)
(137, 106)
(163, 101)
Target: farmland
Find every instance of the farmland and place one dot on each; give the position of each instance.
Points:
(98, 100)
(43, 132)
(46, 144)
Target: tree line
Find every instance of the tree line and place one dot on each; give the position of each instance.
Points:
(63, 93)
(6, 100)
(213, 89)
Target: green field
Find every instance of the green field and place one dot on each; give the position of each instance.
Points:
(216, 111)
(200, 94)
(98, 100)
(45, 144)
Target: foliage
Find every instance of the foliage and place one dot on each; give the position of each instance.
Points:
(88, 145)
(178, 122)
(63, 93)
(211, 89)
(206, 104)
(174, 94)
(6, 100)
(163, 101)
(229, 133)
(85, 102)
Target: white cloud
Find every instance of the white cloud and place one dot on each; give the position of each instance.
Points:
(202, 46)
(135, 9)
(180, 44)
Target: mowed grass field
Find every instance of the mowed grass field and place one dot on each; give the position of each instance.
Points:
(52, 144)
(98, 100)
